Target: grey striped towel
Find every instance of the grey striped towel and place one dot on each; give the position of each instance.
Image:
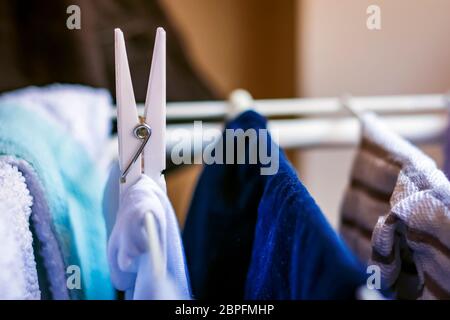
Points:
(388, 170)
(417, 227)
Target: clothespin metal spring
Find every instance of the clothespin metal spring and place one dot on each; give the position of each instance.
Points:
(142, 132)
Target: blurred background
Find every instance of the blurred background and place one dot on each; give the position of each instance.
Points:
(274, 49)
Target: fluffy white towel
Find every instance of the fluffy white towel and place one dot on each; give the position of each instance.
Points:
(41, 217)
(18, 274)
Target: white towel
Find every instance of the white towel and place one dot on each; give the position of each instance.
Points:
(18, 274)
(128, 243)
(41, 217)
(83, 114)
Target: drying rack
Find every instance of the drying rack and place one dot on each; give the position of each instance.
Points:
(314, 122)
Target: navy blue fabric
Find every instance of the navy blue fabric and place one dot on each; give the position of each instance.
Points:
(296, 253)
(219, 228)
(263, 237)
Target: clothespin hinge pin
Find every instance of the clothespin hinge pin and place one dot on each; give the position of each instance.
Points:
(141, 132)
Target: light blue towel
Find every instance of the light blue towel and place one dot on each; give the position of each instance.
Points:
(72, 191)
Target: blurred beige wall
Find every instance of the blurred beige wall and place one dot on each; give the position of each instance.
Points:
(240, 43)
(337, 54)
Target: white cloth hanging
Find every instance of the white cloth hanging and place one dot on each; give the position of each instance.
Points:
(128, 242)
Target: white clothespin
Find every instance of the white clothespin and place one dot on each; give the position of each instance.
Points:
(142, 146)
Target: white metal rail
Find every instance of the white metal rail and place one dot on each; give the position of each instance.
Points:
(321, 122)
(430, 103)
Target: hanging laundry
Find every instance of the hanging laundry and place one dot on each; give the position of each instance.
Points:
(396, 201)
(380, 157)
(257, 236)
(296, 254)
(128, 242)
(416, 231)
(66, 217)
(18, 272)
(220, 224)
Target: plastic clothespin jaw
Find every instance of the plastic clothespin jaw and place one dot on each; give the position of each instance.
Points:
(142, 147)
(127, 116)
(155, 112)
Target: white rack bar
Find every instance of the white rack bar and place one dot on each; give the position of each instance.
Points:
(310, 133)
(418, 118)
(308, 107)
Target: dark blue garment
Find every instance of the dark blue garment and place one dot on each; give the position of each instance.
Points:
(296, 254)
(263, 237)
(218, 233)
